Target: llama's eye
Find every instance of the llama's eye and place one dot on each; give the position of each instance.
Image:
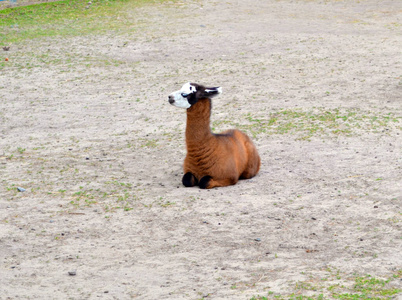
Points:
(184, 95)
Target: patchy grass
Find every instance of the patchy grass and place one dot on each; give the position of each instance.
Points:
(108, 196)
(67, 18)
(334, 285)
(112, 196)
(324, 122)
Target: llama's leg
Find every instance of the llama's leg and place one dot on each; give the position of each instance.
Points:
(253, 166)
(253, 163)
(207, 182)
(189, 180)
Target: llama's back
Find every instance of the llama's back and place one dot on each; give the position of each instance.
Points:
(253, 158)
(247, 155)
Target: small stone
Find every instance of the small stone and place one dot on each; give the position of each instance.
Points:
(375, 206)
(72, 273)
(20, 189)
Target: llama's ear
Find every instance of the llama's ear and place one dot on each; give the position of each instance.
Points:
(212, 92)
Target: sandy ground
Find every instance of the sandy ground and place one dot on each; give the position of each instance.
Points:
(86, 129)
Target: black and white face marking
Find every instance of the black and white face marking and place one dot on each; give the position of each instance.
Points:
(179, 98)
(190, 93)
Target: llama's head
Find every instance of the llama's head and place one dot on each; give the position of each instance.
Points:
(190, 93)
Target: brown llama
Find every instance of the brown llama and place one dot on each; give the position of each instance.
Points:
(212, 160)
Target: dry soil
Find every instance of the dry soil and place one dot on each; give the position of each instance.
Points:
(86, 130)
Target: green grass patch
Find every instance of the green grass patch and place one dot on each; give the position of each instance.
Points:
(334, 286)
(68, 18)
(317, 122)
(112, 196)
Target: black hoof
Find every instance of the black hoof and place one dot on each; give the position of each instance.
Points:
(204, 182)
(189, 180)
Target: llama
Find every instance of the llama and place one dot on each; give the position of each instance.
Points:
(212, 160)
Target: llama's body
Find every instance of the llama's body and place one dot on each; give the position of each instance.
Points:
(213, 160)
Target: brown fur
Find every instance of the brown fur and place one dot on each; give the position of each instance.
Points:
(216, 160)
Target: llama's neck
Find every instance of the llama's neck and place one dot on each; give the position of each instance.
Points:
(198, 122)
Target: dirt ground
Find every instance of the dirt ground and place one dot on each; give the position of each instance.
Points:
(86, 130)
